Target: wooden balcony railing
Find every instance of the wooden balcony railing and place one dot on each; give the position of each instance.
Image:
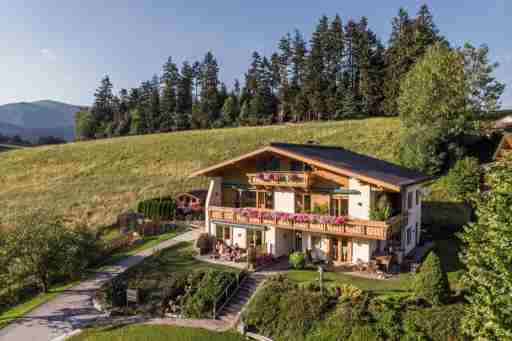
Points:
(347, 227)
(282, 179)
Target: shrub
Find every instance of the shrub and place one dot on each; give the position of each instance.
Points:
(297, 260)
(205, 287)
(346, 291)
(431, 283)
(341, 322)
(160, 208)
(436, 323)
(263, 310)
(363, 333)
(463, 180)
(298, 312)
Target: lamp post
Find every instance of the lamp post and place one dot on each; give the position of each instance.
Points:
(321, 279)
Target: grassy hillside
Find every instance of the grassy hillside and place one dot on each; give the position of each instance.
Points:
(94, 181)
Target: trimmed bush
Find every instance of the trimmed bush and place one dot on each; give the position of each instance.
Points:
(431, 283)
(158, 209)
(297, 260)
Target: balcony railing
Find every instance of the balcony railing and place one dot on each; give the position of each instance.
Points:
(340, 226)
(282, 179)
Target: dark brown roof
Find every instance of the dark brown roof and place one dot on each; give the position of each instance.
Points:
(357, 163)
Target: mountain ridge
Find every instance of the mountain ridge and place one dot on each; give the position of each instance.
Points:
(38, 118)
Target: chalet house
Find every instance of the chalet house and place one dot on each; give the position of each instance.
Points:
(337, 204)
(191, 201)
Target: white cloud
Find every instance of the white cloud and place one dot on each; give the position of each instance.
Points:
(48, 54)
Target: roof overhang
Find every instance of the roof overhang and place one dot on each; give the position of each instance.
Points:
(338, 170)
(500, 145)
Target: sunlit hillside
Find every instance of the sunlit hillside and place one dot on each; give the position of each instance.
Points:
(94, 181)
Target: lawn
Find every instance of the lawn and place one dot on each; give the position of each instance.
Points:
(154, 333)
(94, 181)
(447, 249)
(398, 285)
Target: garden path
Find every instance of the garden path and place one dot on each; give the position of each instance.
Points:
(73, 308)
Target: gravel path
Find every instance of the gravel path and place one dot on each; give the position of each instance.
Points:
(73, 308)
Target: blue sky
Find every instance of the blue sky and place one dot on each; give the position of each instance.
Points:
(61, 49)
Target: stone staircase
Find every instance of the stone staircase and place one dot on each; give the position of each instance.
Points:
(230, 314)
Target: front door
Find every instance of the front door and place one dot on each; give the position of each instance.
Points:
(344, 256)
(254, 238)
(334, 249)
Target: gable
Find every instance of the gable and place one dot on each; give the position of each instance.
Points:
(333, 159)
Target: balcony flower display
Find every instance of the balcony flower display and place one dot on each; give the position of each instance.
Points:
(299, 218)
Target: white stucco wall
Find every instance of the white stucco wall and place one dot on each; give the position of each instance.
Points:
(414, 220)
(284, 202)
(359, 205)
(240, 237)
(363, 249)
(213, 198)
(270, 240)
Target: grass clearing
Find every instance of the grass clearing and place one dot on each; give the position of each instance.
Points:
(154, 333)
(94, 181)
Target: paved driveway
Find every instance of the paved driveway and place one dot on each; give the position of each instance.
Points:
(74, 308)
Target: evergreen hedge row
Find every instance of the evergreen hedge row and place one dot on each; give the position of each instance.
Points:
(160, 208)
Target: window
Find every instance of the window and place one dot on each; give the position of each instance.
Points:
(296, 166)
(409, 235)
(223, 232)
(339, 206)
(299, 166)
(269, 200)
(316, 242)
(409, 200)
(303, 203)
(418, 196)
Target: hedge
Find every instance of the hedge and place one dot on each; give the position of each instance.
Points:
(160, 208)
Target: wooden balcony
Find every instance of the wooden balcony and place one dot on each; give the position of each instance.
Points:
(280, 179)
(357, 228)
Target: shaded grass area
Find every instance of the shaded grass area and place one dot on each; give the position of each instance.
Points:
(94, 181)
(32, 303)
(154, 333)
(21, 309)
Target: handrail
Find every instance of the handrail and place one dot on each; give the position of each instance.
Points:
(240, 278)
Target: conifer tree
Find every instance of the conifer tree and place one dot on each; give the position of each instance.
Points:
(209, 107)
(170, 79)
(431, 283)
